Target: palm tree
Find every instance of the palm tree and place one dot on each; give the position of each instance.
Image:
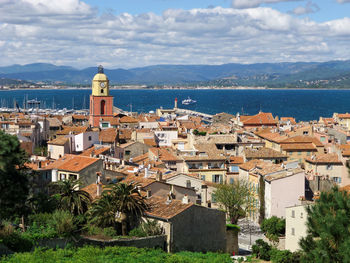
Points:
(71, 198)
(103, 211)
(128, 203)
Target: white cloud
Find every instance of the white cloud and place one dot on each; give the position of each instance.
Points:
(308, 9)
(256, 3)
(74, 34)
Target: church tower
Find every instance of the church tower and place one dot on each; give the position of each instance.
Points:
(101, 103)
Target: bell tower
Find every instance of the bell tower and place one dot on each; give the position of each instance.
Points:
(101, 103)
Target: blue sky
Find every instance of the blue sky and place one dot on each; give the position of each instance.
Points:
(328, 9)
(134, 33)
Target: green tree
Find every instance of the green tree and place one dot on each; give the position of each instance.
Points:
(129, 203)
(328, 229)
(103, 211)
(71, 198)
(273, 228)
(13, 177)
(235, 199)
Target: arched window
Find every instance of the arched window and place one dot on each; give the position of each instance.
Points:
(103, 105)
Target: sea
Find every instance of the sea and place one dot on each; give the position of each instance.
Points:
(304, 105)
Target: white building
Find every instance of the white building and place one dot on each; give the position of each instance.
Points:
(296, 229)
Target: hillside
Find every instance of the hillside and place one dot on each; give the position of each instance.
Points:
(300, 74)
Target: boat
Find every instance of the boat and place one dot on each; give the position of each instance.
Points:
(188, 101)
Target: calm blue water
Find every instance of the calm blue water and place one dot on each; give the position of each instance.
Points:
(302, 104)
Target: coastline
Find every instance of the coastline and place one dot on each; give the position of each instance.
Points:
(170, 88)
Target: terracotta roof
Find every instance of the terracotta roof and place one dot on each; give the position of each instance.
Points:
(125, 134)
(344, 116)
(80, 117)
(112, 121)
(283, 174)
(72, 163)
(72, 129)
(164, 154)
(298, 147)
(291, 119)
(260, 119)
(92, 190)
(128, 119)
(274, 137)
(95, 150)
(236, 160)
(303, 139)
(345, 188)
(330, 158)
(263, 153)
(139, 180)
(150, 142)
(206, 152)
(54, 122)
(59, 141)
(160, 208)
(108, 135)
(250, 165)
(140, 158)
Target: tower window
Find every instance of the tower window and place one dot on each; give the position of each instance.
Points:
(101, 90)
(103, 105)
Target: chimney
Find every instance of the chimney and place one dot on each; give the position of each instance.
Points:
(185, 199)
(139, 189)
(98, 175)
(39, 164)
(204, 194)
(146, 173)
(159, 176)
(149, 193)
(168, 199)
(99, 189)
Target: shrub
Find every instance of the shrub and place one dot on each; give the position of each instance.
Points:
(12, 239)
(109, 232)
(273, 228)
(147, 228)
(63, 222)
(284, 256)
(261, 249)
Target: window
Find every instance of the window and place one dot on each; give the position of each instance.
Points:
(293, 231)
(62, 177)
(308, 153)
(217, 178)
(103, 106)
(188, 183)
(234, 169)
(203, 177)
(89, 138)
(322, 139)
(232, 180)
(213, 198)
(293, 214)
(127, 152)
(299, 153)
(301, 215)
(329, 167)
(305, 132)
(102, 90)
(290, 153)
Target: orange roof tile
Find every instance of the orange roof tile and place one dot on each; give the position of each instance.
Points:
(250, 165)
(159, 208)
(298, 147)
(59, 141)
(108, 135)
(260, 119)
(95, 151)
(72, 163)
(128, 119)
(325, 159)
(303, 139)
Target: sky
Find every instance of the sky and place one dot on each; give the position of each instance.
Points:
(137, 33)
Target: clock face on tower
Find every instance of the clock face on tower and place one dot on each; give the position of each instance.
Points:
(102, 84)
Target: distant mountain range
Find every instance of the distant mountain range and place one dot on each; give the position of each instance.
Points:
(332, 74)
